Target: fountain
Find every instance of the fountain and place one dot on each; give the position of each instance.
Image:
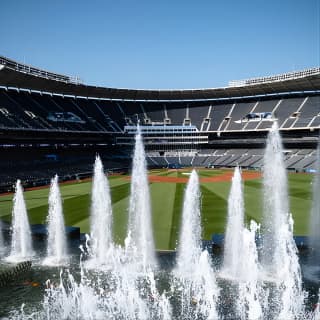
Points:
(189, 249)
(21, 245)
(250, 290)
(234, 229)
(194, 283)
(101, 216)
(57, 244)
(240, 255)
(135, 287)
(139, 242)
(279, 251)
(127, 289)
(102, 298)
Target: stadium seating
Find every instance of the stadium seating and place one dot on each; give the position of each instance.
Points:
(21, 109)
(219, 127)
(198, 114)
(286, 110)
(238, 112)
(298, 159)
(307, 113)
(38, 165)
(177, 115)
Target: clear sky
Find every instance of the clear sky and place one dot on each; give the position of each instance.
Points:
(162, 43)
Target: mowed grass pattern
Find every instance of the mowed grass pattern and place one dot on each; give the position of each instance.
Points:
(167, 204)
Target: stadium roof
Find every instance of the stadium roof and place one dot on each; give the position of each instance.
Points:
(21, 76)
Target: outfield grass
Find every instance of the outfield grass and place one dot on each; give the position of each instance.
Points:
(167, 201)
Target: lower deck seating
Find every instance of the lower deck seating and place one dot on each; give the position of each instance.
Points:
(38, 167)
(297, 159)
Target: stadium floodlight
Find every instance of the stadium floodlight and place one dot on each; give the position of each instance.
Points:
(1, 66)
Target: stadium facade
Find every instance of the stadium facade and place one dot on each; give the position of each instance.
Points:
(57, 123)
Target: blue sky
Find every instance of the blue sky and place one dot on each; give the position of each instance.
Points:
(162, 44)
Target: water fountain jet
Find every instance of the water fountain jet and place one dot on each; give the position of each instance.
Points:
(194, 281)
(249, 288)
(101, 216)
(56, 241)
(279, 251)
(21, 245)
(140, 247)
(234, 229)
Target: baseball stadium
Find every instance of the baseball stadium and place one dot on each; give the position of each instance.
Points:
(52, 124)
(59, 125)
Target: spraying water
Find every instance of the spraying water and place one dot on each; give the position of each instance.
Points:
(234, 229)
(194, 283)
(101, 215)
(250, 290)
(130, 289)
(279, 252)
(127, 289)
(105, 297)
(316, 312)
(189, 249)
(21, 245)
(139, 243)
(240, 254)
(57, 244)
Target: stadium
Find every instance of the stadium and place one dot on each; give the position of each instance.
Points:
(54, 124)
(60, 124)
(55, 119)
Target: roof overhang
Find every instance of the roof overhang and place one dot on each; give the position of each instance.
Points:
(10, 77)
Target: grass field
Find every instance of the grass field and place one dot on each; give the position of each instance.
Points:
(167, 199)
